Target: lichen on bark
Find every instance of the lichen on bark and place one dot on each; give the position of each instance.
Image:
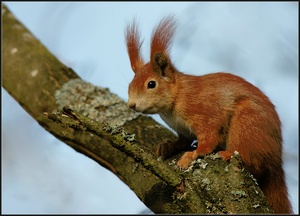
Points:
(94, 102)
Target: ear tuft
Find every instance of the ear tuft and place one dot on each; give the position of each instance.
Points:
(134, 43)
(162, 35)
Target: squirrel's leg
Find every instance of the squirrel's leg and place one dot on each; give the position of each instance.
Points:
(206, 144)
(168, 149)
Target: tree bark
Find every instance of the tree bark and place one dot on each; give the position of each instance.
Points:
(98, 124)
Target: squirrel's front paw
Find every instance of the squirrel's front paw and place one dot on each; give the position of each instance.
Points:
(185, 160)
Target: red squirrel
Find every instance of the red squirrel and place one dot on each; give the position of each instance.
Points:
(218, 109)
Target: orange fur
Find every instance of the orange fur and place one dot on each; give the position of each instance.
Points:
(133, 46)
(220, 110)
(161, 38)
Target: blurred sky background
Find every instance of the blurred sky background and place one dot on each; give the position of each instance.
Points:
(258, 41)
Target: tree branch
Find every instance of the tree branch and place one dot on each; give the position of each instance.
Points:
(98, 124)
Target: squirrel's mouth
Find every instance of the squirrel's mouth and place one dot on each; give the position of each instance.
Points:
(150, 110)
(142, 107)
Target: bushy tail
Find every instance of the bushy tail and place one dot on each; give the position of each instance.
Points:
(256, 134)
(275, 190)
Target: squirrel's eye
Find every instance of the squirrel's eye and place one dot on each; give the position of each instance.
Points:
(151, 84)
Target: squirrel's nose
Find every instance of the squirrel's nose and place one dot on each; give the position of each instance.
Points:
(131, 106)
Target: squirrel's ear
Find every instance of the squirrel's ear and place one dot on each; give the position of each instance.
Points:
(134, 44)
(162, 65)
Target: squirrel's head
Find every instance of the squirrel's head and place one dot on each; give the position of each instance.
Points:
(152, 88)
